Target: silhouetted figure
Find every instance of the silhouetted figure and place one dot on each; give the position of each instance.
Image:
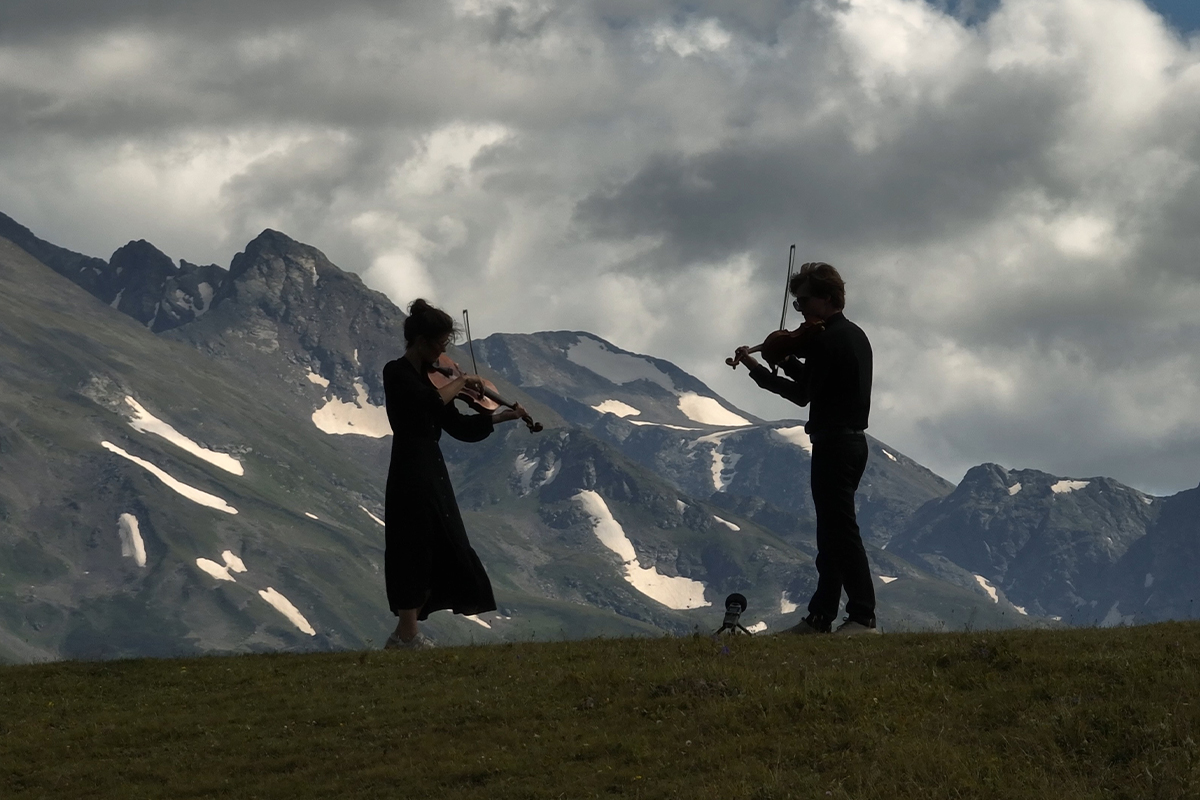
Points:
(429, 564)
(834, 380)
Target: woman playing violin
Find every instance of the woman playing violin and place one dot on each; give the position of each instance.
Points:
(835, 382)
(429, 564)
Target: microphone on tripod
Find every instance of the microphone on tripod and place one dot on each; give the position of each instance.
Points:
(735, 604)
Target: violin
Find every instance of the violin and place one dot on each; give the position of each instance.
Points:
(445, 371)
(781, 344)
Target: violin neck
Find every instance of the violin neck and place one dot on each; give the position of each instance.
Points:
(490, 395)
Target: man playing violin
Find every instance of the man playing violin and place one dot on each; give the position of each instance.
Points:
(429, 564)
(834, 380)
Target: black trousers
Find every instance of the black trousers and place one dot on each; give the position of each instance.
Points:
(838, 463)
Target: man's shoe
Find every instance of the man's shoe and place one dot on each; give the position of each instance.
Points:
(810, 624)
(418, 642)
(851, 628)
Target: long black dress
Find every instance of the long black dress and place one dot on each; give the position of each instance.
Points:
(428, 562)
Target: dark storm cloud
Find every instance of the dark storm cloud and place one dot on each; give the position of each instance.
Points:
(26, 20)
(1014, 200)
(821, 189)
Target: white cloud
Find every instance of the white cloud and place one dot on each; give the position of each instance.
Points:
(695, 36)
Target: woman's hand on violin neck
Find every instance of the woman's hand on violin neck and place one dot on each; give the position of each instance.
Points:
(516, 412)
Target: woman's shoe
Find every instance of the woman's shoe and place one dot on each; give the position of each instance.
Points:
(418, 642)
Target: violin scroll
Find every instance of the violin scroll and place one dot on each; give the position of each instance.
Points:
(779, 345)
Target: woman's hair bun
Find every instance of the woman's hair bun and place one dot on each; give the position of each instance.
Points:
(428, 321)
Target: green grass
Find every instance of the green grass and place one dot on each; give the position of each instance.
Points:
(1018, 714)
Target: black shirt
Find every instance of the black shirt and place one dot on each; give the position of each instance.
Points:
(834, 380)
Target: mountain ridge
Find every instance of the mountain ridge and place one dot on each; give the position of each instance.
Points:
(702, 491)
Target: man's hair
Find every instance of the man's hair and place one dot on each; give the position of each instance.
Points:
(822, 281)
(428, 321)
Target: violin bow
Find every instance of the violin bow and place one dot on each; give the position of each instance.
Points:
(470, 344)
(534, 427)
(786, 288)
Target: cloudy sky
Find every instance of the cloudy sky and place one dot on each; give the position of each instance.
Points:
(1011, 189)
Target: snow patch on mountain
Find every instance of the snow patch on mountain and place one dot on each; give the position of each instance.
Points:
(662, 425)
(233, 562)
(618, 408)
(132, 545)
(887, 578)
(724, 463)
(372, 516)
(757, 627)
(1115, 619)
(218, 571)
(1064, 486)
(190, 492)
(674, 592)
(310, 266)
(616, 367)
(707, 411)
(889, 455)
(553, 465)
(1012, 490)
(206, 296)
(525, 468)
(285, 607)
(311, 515)
(786, 606)
(317, 379)
(145, 422)
(360, 417)
(477, 620)
(534, 473)
(727, 523)
(221, 571)
(987, 587)
(795, 435)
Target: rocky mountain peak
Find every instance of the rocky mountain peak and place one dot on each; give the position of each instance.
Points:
(290, 296)
(983, 480)
(1048, 542)
(137, 273)
(142, 260)
(276, 272)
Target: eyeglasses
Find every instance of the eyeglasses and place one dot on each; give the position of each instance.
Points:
(799, 301)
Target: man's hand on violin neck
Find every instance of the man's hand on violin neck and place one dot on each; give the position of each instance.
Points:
(742, 356)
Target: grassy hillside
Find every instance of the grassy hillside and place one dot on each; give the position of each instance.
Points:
(1018, 714)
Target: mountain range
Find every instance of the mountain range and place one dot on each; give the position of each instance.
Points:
(192, 460)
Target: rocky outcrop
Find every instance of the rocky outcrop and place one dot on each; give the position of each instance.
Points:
(1156, 577)
(1049, 543)
(139, 280)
